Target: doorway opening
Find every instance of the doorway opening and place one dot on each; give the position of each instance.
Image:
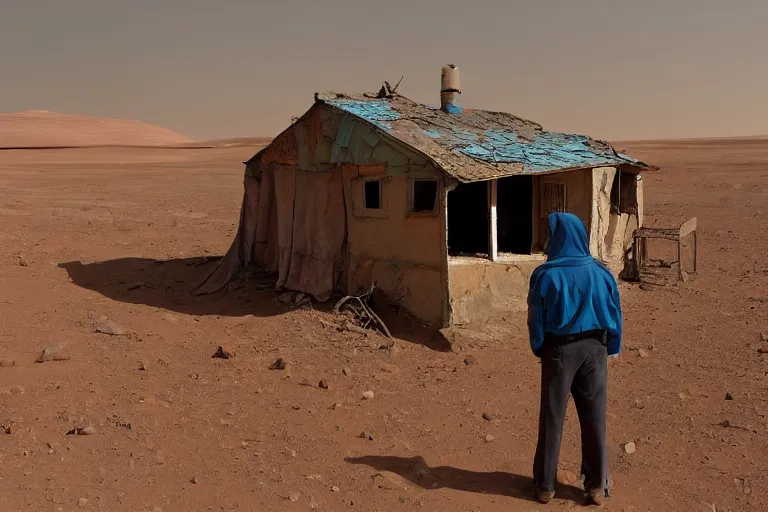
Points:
(468, 232)
(514, 213)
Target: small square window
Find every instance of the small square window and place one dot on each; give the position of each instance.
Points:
(372, 195)
(424, 196)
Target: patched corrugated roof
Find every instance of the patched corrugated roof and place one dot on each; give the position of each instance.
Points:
(477, 145)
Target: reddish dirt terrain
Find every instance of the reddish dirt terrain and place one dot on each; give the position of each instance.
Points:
(124, 234)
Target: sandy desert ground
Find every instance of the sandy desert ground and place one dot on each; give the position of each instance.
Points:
(125, 234)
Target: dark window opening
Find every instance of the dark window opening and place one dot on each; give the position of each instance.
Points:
(624, 193)
(372, 192)
(514, 214)
(468, 220)
(424, 195)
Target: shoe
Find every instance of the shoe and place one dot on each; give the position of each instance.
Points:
(596, 496)
(544, 496)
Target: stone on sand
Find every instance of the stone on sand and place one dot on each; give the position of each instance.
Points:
(55, 352)
(110, 328)
(224, 352)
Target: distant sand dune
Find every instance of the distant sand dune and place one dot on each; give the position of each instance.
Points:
(226, 143)
(40, 128)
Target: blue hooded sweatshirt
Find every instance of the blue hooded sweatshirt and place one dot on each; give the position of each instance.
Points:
(572, 292)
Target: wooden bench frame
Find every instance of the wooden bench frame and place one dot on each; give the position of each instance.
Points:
(640, 247)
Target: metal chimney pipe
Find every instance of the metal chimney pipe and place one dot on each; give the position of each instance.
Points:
(450, 87)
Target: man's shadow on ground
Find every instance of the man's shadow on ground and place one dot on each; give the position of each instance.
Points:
(417, 471)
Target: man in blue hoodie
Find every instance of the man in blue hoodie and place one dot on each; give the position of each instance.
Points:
(574, 322)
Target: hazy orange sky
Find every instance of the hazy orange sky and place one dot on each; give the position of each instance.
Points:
(615, 69)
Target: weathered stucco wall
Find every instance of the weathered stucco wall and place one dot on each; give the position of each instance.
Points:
(612, 225)
(401, 251)
(578, 191)
(480, 290)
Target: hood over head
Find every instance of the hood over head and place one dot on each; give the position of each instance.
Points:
(567, 237)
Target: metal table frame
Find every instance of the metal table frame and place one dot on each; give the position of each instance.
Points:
(640, 247)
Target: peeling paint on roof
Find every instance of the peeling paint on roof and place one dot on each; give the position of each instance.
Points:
(477, 145)
(376, 112)
(545, 152)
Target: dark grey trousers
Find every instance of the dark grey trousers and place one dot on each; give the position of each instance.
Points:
(581, 369)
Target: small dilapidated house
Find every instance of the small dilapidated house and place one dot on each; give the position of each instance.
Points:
(443, 208)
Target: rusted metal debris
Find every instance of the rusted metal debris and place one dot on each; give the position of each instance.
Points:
(386, 91)
(361, 311)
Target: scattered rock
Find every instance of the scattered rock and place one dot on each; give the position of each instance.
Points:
(17, 390)
(487, 417)
(389, 368)
(764, 337)
(629, 448)
(7, 363)
(346, 371)
(728, 396)
(279, 364)
(143, 366)
(470, 361)
(366, 435)
(642, 353)
(323, 384)
(193, 479)
(82, 431)
(368, 395)
(727, 424)
(109, 327)
(335, 488)
(490, 438)
(337, 406)
(11, 429)
(23, 262)
(82, 502)
(285, 298)
(224, 352)
(762, 350)
(55, 352)
(294, 497)
(567, 477)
